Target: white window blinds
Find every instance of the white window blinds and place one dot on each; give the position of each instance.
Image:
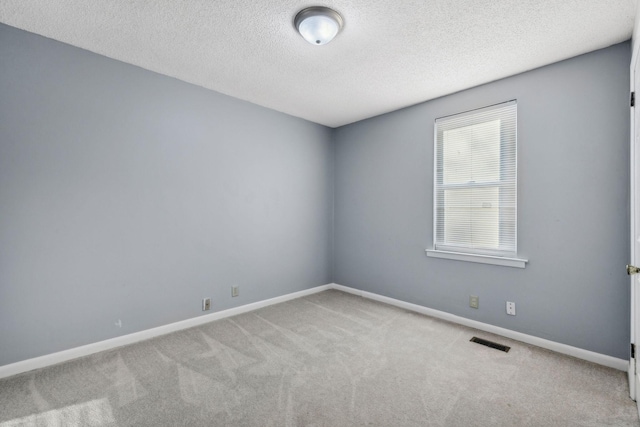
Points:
(475, 181)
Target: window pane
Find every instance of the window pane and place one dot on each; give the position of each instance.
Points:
(472, 153)
(472, 217)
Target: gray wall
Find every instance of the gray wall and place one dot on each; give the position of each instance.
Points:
(573, 221)
(127, 195)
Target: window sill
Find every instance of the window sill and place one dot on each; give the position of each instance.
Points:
(483, 259)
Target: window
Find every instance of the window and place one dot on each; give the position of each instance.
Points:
(475, 209)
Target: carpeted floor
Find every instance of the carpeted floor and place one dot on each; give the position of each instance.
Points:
(329, 359)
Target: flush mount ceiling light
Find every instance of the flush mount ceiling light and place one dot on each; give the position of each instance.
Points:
(318, 25)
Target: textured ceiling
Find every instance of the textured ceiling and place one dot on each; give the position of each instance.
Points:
(390, 54)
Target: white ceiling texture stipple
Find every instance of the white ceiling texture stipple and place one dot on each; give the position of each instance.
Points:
(390, 53)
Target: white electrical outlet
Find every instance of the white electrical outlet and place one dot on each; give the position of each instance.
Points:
(511, 308)
(206, 304)
(235, 291)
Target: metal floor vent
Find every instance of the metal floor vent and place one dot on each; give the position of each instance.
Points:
(491, 344)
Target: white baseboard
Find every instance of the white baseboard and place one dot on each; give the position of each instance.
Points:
(600, 359)
(86, 350)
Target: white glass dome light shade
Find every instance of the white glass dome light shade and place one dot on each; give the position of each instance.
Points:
(318, 25)
(318, 29)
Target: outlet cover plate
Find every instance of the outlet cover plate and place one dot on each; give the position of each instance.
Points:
(206, 304)
(511, 308)
(474, 301)
(235, 291)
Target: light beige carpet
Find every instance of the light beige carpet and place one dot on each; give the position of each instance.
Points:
(329, 359)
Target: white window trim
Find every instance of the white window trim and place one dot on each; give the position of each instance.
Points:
(504, 261)
(483, 259)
